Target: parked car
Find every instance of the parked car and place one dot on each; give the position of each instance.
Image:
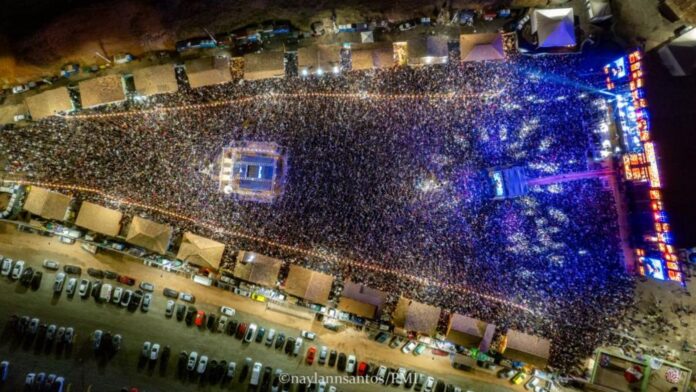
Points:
(289, 346)
(298, 347)
(408, 347)
(250, 333)
(105, 293)
(17, 270)
(280, 341)
(170, 293)
(190, 314)
(241, 331)
(200, 318)
(127, 280)
(382, 337)
(180, 312)
(270, 337)
(154, 351)
(231, 369)
(169, 309)
(83, 289)
(111, 275)
(400, 377)
(33, 326)
(146, 286)
(210, 324)
(222, 322)
(192, 360)
(420, 348)
(6, 267)
(95, 273)
(396, 341)
(51, 264)
(126, 298)
(97, 339)
(116, 295)
(36, 280)
(323, 355)
(116, 342)
(135, 300)
(145, 352)
(350, 365)
(227, 311)
(4, 370)
(202, 364)
(27, 274)
(69, 335)
(341, 365)
(429, 384)
(332, 357)
(260, 334)
(147, 299)
(72, 269)
(309, 358)
(58, 283)
(361, 369)
(187, 297)
(309, 335)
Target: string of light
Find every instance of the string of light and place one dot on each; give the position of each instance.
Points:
(293, 249)
(267, 96)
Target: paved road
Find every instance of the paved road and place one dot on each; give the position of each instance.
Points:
(82, 368)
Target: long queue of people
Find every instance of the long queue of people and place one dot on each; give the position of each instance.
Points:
(386, 167)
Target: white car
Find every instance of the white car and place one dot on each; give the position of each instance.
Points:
(192, 359)
(70, 287)
(187, 297)
(221, 324)
(105, 293)
(51, 332)
(97, 338)
(350, 365)
(83, 289)
(18, 90)
(146, 349)
(33, 326)
(6, 267)
(58, 283)
(250, 332)
(29, 380)
(309, 335)
(4, 370)
(17, 269)
(69, 335)
(116, 342)
(429, 384)
(255, 374)
(169, 310)
(408, 347)
(147, 300)
(381, 374)
(154, 352)
(145, 286)
(298, 347)
(270, 337)
(202, 364)
(231, 368)
(51, 264)
(58, 384)
(400, 376)
(227, 311)
(116, 295)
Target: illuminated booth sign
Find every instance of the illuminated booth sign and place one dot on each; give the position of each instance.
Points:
(624, 78)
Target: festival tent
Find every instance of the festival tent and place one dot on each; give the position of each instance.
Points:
(528, 348)
(481, 47)
(367, 37)
(200, 251)
(554, 27)
(149, 235)
(99, 219)
(465, 331)
(157, 79)
(47, 204)
(49, 103)
(364, 294)
(415, 316)
(264, 65)
(310, 285)
(598, 10)
(373, 57)
(257, 268)
(427, 51)
(360, 309)
(679, 55)
(318, 58)
(101, 91)
(208, 71)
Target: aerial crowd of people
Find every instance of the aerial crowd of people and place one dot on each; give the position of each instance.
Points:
(388, 168)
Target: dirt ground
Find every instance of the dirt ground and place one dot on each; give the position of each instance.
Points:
(136, 27)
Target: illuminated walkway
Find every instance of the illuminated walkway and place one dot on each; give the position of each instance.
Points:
(293, 249)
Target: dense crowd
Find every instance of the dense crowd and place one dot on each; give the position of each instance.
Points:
(399, 182)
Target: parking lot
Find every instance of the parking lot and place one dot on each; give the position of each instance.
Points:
(82, 368)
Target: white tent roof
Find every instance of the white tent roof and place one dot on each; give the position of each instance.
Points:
(598, 9)
(679, 56)
(554, 27)
(367, 37)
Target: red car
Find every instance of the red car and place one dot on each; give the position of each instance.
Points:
(241, 330)
(310, 355)
(200, 318)
(362, 368)
(126, 280)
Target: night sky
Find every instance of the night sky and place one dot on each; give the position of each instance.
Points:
(672, 105)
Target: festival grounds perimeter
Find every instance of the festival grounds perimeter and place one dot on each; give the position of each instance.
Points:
(388, 169)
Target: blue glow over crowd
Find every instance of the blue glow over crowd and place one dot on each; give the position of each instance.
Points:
(401, 183)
